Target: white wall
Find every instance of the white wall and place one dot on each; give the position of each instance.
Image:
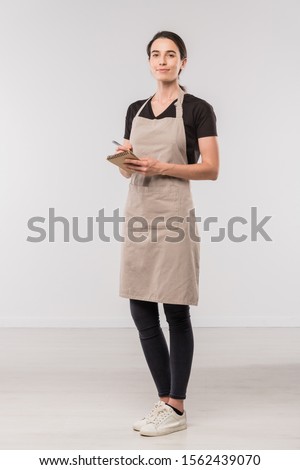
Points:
(70, 68)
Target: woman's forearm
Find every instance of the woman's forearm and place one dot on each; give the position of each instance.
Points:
(194, 171)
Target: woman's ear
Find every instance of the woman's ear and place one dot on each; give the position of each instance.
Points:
(183, 63)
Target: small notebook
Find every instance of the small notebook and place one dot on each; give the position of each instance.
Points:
(118, 158)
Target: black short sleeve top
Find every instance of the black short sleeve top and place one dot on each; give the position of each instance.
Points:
(198, 116)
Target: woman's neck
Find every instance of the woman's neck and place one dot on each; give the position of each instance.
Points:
(166, 92)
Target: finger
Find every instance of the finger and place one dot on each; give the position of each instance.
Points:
(129, 166)
(131, 161)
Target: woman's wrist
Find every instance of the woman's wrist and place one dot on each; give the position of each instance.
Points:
(125, 173)
(164, 167)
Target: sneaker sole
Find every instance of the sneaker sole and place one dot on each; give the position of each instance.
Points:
(164, 432)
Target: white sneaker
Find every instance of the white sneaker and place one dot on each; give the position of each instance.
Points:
(141, 422)
(164, 421)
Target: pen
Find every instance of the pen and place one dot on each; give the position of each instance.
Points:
(115, 142)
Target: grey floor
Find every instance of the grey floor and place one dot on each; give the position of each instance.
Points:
(83, 388)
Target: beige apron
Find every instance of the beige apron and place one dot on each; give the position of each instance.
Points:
(153, 268)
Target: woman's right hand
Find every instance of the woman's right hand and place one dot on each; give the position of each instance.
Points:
(123, 148)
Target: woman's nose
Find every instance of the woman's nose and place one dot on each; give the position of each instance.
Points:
(162, 61)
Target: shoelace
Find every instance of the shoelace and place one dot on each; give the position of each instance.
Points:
(160, 415)
(153, 411)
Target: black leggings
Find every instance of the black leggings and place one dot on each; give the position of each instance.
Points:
(170, 371)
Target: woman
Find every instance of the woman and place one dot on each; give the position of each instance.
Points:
(167, 132)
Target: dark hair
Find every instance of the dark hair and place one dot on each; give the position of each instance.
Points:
(175, 38)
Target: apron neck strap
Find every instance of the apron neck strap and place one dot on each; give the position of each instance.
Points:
(178, 104)
(139, 111)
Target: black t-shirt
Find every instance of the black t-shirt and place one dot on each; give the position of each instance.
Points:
(198, 117)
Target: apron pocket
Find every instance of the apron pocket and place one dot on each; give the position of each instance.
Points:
(151, 202)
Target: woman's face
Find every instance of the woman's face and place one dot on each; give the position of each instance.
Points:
(165, 62)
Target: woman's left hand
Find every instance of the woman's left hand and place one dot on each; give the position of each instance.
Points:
(147, 166)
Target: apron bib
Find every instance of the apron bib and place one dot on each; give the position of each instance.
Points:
(153, 267)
